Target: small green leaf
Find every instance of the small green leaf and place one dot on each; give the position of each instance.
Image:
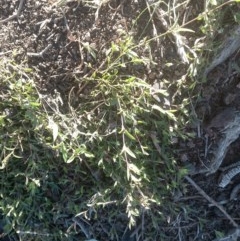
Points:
(2, 117)
(64, 152)
(28, 70)
(128, 151)
(219, 234)
(129, 135)
(165, 112)
(213, 2)
(134, 168)
(35, 104)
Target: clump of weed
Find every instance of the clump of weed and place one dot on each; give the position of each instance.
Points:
(110, 149)
(129, 133)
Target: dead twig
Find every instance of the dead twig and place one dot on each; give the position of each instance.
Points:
(155, 33)
(41, 54)
(220, 207)
(178, 39)
(4, 53)
(16, 15)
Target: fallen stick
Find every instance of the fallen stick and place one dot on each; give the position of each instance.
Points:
(14, 15)
(220, 207)
(40, 54)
